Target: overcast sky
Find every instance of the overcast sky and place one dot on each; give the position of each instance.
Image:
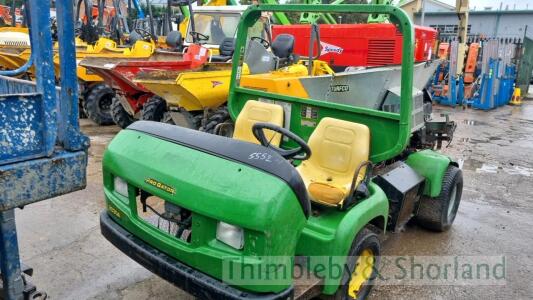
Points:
(479, 4)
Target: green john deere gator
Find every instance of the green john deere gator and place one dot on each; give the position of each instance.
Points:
(298, 191)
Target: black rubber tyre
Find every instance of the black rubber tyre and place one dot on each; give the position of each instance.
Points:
(365, 240)
(121, 117)
(98, 102)
(438, 213)
(81, 109)
(220, 115)
(81, 103)
(154, 109)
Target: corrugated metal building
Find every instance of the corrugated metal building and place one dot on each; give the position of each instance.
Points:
(501, 22)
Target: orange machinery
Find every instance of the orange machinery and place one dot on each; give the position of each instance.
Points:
(470, 68)
(444, 49)
(5, 14)
(109, 12)
(442, 54)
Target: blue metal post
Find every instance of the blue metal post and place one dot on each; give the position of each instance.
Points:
(501, 93)
(41, 37)
(69, 135)
(507, 84)
(461, 91)
(140, 13)
(9, 256)
(476, 98)
(437, 74)
(493, 92)
(452, 91)
(451, 97)
(486, 99)
(34, 164)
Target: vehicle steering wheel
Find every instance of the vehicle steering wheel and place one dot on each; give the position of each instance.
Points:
(262, 41)
(199, 36)
(145, 35)
(302, 152)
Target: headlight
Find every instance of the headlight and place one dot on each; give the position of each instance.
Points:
(230, 235)
(121, 186)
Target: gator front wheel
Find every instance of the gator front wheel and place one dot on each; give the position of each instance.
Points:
(98, 104)
(362, 267)
(438, 213)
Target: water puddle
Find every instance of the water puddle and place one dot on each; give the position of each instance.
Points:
(527, 121)
(517, 170)
(471, 140)
(481, 167)
(486, 168)
(514, 170)
(473, 122)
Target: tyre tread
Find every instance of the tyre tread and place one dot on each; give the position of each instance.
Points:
(154, 109)
(119, 114)
(219, 116)
(431, 210)
(91, 108)
(363, 234)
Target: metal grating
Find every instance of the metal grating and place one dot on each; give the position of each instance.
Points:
(381, 52)
(165, 216)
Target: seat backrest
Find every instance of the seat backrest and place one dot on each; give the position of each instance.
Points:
(174, 39)
(283, 45)
(254, 112)
(216, 33)
(339, 147)
(227, 47)
(142, 48)
(259, 59)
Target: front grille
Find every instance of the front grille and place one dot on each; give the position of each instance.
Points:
(165, 216)
(381, 52)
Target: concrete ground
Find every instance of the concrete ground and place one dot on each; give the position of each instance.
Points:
(61, 239)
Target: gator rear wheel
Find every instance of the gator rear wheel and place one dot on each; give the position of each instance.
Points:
(121, 117)
(438, 213)
(98, 104)
(362, 267)
(154, 109)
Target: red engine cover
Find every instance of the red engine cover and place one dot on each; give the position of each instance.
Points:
(360, 44)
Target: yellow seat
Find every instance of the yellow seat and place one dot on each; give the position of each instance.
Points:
(340, 149)
(142, 49)
(258, 112)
